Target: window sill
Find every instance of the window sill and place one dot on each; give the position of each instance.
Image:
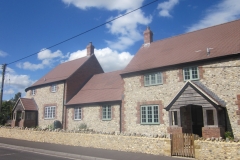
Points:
(150, 123)
(153, 85)
(77, 119)
(49, 118)
(106, 119)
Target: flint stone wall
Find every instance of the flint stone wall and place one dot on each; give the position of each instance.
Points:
(44, 97)
(221, 77)
(156, 146)
(92, 117)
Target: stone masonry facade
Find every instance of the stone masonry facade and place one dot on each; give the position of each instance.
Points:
(91, 115)
(44, 98)
(221, 77)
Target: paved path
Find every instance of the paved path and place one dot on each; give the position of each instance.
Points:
(77, 151)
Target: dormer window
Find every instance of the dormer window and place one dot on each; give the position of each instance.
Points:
(191, 73)
(54, 88)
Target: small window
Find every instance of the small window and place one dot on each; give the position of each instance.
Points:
(30, 115)
(153, 79)
(149, 114)
(49, 112)
(210, 117)
(77, 113)
(174, 118)
(53, 88)
(190, 73)
(33, 92)
(106, 112)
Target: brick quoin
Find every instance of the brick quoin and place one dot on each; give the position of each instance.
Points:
(180, 75)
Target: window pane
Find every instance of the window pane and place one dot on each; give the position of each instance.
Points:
(104, 113)
(159, 78)
(109, 112)
(146, 79)
(186, 74)
(155, 114)
(144, 120)
(149, 114)
(153, 80)
(210, 118)
(194, 73)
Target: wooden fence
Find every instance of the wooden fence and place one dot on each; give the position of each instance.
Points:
(182, 145)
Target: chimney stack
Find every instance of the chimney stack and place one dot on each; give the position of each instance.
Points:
(148, 36)
(90, 49)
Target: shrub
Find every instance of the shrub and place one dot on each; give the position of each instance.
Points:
(82, 126)
(229, 135)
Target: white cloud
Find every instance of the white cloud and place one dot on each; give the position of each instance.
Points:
(109, 59)
(125, 28)
(166, 7)
(14, 83)
(3, 54)
(46, 56)
(120, 5)
(225, 11)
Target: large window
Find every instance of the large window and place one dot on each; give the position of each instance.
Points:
(49, 112)
(106, 112)
(149, 114)
(190, 73)
(153, 79)
(77, 113)
(53, 88)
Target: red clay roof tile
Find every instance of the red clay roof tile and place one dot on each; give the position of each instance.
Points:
(224, 40)
(29, 104)
(102, 87)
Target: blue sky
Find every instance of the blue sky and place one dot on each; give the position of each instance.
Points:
(27, 27)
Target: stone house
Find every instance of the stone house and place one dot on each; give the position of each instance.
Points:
(97, 104)
(185, 84)
(56, 88)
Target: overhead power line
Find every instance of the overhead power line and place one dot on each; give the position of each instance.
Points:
(83, 32)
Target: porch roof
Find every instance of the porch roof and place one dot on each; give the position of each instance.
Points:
(195, 93)
(27, 104)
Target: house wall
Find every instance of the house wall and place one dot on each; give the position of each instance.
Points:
(43, 98)
(92, 117)
(223, 81)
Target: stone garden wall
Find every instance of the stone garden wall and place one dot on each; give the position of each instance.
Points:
(204, 149)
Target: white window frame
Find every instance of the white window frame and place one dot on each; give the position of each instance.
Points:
(49, 112)
(190, 70)
(151, 79)
(150, 114)
(106, 112)
(77, 113)
(33, 92)
(54, 88)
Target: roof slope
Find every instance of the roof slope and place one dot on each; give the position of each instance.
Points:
(189, 47)
(29, 104)
(61, 72)
(103, 87)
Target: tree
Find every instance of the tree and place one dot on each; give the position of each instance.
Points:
(7, 107)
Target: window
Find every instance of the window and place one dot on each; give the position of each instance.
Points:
(33, 92)
(77, 113)
(190, 73)
(174, 118)
(53, 88)
(30, 115)
(210, 117)
(153, 79)
(49, 112)
(149, 114)
(106, 112)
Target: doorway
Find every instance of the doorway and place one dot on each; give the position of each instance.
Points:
(197, 119)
